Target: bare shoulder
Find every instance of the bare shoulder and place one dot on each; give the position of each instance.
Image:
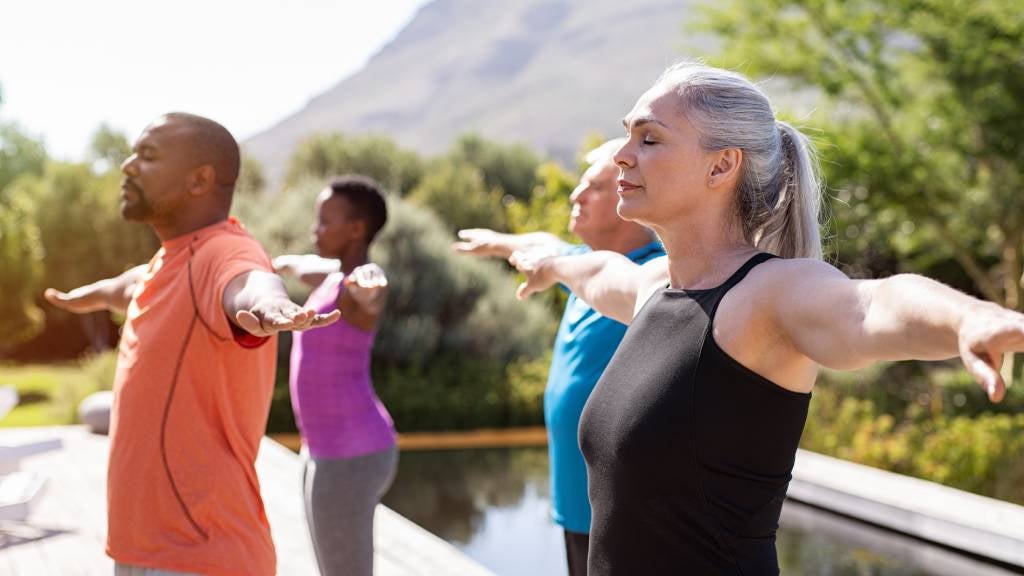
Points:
(789, 274)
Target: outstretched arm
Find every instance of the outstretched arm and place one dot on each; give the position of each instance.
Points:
(112, 294)
(309, 268)
(608, 281)
(256, 302)
(484, 242)
(845, 324)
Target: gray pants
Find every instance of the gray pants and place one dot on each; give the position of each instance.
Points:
(341, 496)
(126, 570)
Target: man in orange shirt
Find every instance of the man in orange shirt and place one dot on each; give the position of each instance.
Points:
(195, 368)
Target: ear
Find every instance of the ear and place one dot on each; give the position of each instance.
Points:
(357, 230)
(726, 168)
(203, 181)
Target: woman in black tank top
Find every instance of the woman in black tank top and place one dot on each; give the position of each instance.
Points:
(691, 433)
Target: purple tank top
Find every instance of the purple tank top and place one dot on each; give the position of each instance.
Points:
(336, 409)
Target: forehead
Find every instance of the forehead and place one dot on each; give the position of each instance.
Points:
(658, 105)
(602, 170)
(326, 200)
(164, 133)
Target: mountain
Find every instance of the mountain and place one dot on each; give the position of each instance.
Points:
(542, 72)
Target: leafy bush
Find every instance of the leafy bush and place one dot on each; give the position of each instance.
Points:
(937, 434)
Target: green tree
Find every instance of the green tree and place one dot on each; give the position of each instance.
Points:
(923, 121)
(109, 148)
(252, 182)
(325, 155)
(20, 252)
(19, 153)
(457, 192)
(510, 168)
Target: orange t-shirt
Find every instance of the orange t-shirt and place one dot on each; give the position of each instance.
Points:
(191, 399)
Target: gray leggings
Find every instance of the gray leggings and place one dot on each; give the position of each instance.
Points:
(341, 495)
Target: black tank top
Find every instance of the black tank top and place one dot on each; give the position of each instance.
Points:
(689, 453)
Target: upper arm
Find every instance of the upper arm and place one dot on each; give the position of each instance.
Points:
(616, 291)
(820, 311)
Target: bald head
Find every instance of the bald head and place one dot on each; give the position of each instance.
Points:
(208, 143)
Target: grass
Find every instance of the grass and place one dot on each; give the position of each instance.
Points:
(49, 393)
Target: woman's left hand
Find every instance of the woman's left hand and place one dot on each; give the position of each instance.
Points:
(986, 334)
(368, 286)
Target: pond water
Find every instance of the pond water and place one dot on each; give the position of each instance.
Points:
(493, 504)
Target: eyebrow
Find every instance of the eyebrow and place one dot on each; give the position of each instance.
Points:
(640, 121)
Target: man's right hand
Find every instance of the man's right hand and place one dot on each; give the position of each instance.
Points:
(484, 242)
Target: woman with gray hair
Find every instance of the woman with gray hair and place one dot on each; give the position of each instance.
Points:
(691, 434)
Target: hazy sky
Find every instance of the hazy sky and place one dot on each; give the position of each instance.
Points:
(68, 65)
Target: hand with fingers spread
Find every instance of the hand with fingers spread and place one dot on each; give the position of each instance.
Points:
(535, 265)
(986, 334)
(368, 287)
(275, 314)
(486, 242)
(483, 242)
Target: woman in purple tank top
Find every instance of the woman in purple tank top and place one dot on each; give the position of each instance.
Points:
(347, 435)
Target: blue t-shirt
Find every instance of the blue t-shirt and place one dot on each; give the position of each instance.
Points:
(585, 344)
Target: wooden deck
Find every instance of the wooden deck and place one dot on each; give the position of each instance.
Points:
(65, 534)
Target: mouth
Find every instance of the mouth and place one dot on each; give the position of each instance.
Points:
(129, 186)
(625, 186)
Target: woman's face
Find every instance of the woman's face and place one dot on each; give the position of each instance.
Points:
(335, 230)
(663, 170)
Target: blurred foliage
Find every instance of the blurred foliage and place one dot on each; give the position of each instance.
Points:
(937, 425)
(324, 156)
(20, 270)
(252, 181)
(108, 149)
(457, 192)
(511, 169)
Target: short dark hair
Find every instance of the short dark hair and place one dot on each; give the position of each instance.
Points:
(365, 197)
(212, 144)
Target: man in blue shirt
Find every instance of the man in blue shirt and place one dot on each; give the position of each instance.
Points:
(586, 340)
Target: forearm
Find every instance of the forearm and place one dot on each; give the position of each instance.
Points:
(113, 294)
(605, 280)
(913, 317)
(310, 269)
(537, 239)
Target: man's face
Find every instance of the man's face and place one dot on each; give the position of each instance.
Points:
(593, 203)
(155, 184)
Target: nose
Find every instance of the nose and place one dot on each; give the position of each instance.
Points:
(624, 157)
(577, 193)
(128, 166)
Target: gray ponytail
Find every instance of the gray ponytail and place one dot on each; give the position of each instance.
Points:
(778, 195)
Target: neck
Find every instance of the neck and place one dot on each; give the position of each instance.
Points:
(702, 252)
(354, 257)
(186, 224)
(623, 241)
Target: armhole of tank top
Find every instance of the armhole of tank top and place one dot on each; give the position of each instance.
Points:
(645, 296)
